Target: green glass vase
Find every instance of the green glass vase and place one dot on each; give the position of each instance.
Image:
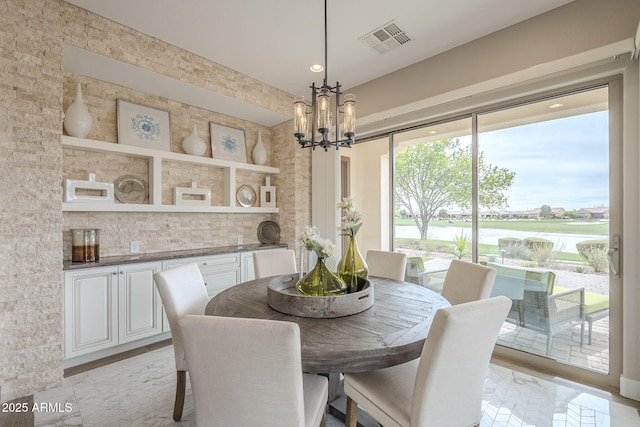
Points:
(352, 268)
(321, 282)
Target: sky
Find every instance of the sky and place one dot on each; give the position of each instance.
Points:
(561, 163)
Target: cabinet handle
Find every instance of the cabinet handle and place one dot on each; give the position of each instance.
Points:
(122, 272)
(114, 273)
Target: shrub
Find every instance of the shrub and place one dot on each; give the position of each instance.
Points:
(513, 247)
(588, 245)
(597, 258)
(541, 255)
(416, 244)
(461, 245)
(535, 243)
(594, 252)
(508, 242)
(546, 254)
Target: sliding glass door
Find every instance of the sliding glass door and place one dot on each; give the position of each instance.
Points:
(529, 188)
(547, 229)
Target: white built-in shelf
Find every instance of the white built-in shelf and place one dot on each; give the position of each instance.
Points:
(156, 158)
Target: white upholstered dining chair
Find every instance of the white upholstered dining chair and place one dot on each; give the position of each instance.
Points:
(248, 372)
(274, 262)
(390, 265)
(467, 281)
(444, 386)
(183, 292)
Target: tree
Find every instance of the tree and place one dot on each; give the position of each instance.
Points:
(546, 212)
(437, 175)
(443, 214)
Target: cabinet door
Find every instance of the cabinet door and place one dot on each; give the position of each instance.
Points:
(247, 272)
(91, 310)
(139, 302)
(217, 281)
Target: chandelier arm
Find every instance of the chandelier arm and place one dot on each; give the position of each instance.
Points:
(314, 107)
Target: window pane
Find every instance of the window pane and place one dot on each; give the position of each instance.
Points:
(432, 183)
(547, 232)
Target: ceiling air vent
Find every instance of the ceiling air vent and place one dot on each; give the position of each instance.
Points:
(387, 37)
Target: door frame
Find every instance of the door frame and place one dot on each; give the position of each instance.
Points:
(612, 378)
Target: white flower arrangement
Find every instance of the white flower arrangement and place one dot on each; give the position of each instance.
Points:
(311, 240)
(351, 219)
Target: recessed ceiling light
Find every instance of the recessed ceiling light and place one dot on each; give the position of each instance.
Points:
(316, 68)
(556, 105)
(433, 132)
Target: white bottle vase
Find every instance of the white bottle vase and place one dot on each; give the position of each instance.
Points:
(77, 120)
(259, 153)
(193, 144)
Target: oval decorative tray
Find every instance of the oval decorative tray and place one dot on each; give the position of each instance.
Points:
(283, 296)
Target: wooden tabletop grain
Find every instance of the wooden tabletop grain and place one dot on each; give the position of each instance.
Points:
(391, 332)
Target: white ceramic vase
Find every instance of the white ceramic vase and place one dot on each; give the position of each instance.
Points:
(259, 153)
(193, 144)
(77, 120)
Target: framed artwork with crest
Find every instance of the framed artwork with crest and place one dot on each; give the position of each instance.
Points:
(228, 143)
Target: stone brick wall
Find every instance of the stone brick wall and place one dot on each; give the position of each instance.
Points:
(31, 339)
(34, 237)
(157, 232)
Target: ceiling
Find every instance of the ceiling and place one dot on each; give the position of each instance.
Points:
(275, 42)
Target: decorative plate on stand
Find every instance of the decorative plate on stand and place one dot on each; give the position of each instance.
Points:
(131, 189)
(246, 196)
(269, 232)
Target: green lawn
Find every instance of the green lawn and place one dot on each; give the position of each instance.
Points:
(549, 226)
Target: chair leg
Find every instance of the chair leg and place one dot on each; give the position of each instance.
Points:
(351, 418)
(181, 385)
(323, 422)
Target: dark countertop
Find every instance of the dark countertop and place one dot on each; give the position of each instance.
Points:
(163, 256)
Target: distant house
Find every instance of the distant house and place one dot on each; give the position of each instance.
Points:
(601, 212)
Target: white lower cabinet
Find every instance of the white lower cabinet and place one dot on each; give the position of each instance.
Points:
(139, 304)
(247, 271)
(117, 308)
(108, 306)
(91, 310)
(218, 271)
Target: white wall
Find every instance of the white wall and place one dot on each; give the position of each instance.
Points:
(370, 187)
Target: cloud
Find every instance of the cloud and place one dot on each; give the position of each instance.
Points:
(561, 163)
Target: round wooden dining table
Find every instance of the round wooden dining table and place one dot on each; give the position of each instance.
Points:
(392, 331)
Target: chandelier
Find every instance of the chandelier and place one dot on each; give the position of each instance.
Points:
(312, 122)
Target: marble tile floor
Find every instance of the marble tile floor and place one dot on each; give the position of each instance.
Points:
(139, 391)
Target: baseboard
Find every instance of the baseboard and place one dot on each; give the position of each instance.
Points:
(113, 351)
(630, 388)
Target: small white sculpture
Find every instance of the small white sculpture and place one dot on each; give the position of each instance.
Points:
(268, 195)
(203, 195)
(72, 186)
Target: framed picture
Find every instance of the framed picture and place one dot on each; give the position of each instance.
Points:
(143, 126)
(228, 143)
